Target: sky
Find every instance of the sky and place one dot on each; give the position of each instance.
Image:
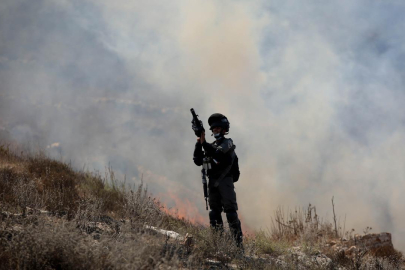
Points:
(314, 92)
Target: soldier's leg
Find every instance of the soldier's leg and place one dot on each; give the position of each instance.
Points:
(216, 219)
(235, 226)
(214, 200)
(228, 200)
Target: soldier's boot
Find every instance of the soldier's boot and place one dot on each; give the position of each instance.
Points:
(236, 229)
(216, 222)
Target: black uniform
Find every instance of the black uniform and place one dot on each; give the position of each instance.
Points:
(222, 175)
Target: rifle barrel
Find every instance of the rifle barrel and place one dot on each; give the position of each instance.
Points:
(193, 113)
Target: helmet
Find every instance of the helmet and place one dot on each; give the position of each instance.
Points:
(218, 120)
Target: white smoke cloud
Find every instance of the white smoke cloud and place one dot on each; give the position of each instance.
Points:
(313, 91)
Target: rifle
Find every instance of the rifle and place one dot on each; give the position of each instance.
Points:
(198, 128)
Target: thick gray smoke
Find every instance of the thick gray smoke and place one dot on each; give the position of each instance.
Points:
(314, 93)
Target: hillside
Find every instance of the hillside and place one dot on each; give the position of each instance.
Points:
(53, 217)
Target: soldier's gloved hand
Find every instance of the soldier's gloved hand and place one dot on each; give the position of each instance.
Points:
(201, 139)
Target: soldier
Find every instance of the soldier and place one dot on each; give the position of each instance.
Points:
(223, 172)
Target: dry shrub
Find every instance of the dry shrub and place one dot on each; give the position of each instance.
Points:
(140, 208)
(218, 245)
(38, 247)
(179, 224)
(60, 245)
(17, 190)
(300, 225)
(57, 182)
(266, 244)
(110, 198)
(8, 154)
(8, 179)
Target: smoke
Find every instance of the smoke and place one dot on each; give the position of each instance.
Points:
(313, 91)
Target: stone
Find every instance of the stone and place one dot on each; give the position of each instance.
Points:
(350, 250)
(170, 234)
(374, 240)
(376, 243)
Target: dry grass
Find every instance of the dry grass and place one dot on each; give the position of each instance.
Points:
(53, 217)
(303, 228)
(90, 222)
(302, 225)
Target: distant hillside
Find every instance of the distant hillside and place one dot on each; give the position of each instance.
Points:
(53, 217)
